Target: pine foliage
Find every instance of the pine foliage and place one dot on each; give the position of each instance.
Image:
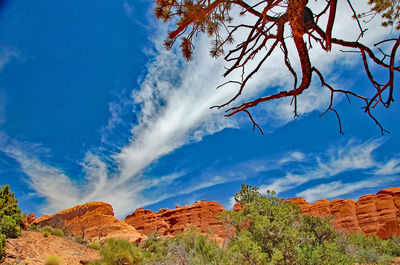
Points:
(11, 218)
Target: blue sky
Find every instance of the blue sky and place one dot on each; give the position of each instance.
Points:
(92, 107)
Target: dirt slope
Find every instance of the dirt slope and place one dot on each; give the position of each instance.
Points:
(32, 248)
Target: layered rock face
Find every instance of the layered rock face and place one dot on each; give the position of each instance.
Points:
(94, 220)
(169, 222)
(379, 214)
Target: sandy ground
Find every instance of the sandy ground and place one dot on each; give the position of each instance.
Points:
(32, 248)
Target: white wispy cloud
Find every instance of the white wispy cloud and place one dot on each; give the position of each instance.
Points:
(337, 188)
(172, 108)
(3, 103)
(6, 54)
(391, 167)
(62, 192)
(47, 181)
(128, 8)
(294, 156)
(231, 202)
(354, 155)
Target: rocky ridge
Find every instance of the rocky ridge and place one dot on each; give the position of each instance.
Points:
(94, 220)
(168, 222)
(378, 214)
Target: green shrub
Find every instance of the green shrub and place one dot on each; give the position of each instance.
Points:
(11, 218)
(2, 246)
(94, 245)
(48, 230)
(80, 240)
(119, 252)
(53, 260)
(270, 230)
(9, 227)
(34, 227)
(58, 232)
(371, 249)
(189, 247)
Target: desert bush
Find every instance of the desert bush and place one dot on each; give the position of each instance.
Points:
(371, 249)
(119, 252)
(189, 247)
(2, 246)
(392, 246)
(80, 240)
(48, 230)
(270, 230)
(58, 232)
(9, 227)
(34, 227)
(95, 245)
(53, 260)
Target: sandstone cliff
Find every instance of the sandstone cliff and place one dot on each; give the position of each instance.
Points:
(94, 220)
(169, 222)
(378, 213)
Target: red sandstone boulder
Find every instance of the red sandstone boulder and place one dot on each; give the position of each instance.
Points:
(94, 220)
(31, 218)
(237, 207)
(345, 215)
(300, 201)
(379, 214)
(320, 208)
(366, 214)
(169, 222)
(395, 193)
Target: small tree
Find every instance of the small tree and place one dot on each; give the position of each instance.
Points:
(11, 218)
(83, 224)
(119, 252)
(247, 194)
(270, 230)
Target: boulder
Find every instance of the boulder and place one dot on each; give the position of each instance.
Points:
(31, 218)
(345, 215)
(379, 214)
(366, 214)
(169, 222)
(94, 220)
(300, 201)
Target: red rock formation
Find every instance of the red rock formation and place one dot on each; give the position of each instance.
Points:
(237, 207)
(366, 214)
(320, 208)
(345, 215)
(379, 214)
(169, 222)
(300, 201)
(94, 220)
(31, 218)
